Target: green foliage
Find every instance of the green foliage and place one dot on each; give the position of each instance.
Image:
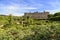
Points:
(50, 15)
(57, 14)
(55, 17)
(12, 29)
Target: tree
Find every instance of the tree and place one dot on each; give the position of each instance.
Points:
(57, 14)
(50, 15)
(55, 17)
(10, 19)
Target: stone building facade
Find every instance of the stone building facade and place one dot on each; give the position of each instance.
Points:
(37, 15)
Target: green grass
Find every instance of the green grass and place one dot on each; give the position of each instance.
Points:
(31, 30)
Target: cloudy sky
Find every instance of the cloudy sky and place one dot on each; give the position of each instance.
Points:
(18, 7)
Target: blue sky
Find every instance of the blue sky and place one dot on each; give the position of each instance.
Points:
(18, 7)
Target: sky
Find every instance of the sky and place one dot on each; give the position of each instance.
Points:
(19, 7)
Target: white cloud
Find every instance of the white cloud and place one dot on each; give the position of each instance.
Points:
(55, 5)
(53, 11)
(15, 9)
(20, 8)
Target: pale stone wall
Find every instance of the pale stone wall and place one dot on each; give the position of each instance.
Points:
(37, 15)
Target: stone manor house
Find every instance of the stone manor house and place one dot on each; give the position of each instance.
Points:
(37, 15)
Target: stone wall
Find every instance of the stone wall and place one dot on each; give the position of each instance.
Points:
(37, 15)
